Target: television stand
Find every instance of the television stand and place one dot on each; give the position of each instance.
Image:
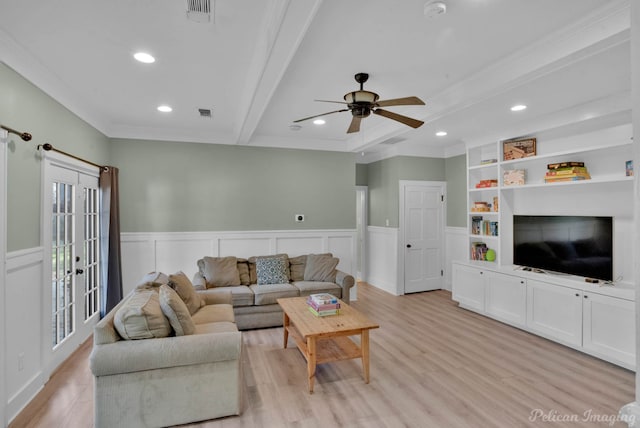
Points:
(592, 318)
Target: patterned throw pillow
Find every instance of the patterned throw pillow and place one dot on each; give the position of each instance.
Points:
(271, 271)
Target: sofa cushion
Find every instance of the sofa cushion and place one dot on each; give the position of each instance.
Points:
(252, 265)
(214, 313)
(141, 317)
(220, 271)
(176, 311)
(216, 327)
(272, 271)
(181, 284)
(267, 294)
(241, 295)
(313, 287)
(158, 277)
(243, 271)
(320, 267)
(297, 266)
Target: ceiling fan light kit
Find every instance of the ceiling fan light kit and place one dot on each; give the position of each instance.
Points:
(362, 103)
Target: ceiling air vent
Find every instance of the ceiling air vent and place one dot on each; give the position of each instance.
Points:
(199, 10)
(205, 112)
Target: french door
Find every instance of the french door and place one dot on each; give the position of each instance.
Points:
(72, 257)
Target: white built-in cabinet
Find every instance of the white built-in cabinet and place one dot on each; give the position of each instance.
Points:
(599, 321)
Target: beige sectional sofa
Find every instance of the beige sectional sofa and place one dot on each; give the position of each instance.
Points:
(166, 355)
(257, 282)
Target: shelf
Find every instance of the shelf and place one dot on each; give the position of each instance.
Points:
(482, 189)
(485, 166)
(570, 183)
(484, 212)
(483, 237)
(575, 151)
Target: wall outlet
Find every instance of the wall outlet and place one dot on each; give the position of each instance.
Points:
(21, 361)
(299, 218)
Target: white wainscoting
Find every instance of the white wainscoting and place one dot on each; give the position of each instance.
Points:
(23, 320)
(179, 251)
(382, 256)
(456, 249)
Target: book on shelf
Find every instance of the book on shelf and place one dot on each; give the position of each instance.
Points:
(628, 168)
(478, 251)
(488, 161)
(562, 179)
(323, 313)
(559, 165)
(567, 171)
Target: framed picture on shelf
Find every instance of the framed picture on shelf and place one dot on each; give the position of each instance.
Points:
(517, 149)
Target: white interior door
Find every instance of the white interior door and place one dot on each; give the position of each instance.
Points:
(71, 245)
(423, 236)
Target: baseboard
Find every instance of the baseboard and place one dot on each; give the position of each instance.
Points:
(19, 400)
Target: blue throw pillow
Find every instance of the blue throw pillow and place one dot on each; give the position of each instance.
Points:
(271, 271)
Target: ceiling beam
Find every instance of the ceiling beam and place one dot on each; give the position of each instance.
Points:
(603, 29)
(284, 28)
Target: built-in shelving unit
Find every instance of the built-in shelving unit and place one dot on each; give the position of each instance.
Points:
(604, 153)
(596, 319)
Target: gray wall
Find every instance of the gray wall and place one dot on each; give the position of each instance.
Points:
(383, 181)
(456, 175)
(26, 108)
(173, 187)
(362, 178)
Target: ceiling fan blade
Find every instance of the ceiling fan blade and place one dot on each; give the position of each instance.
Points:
(355, 125)
(414, 123)
(329, 101)
(318, 115)
(406, 101)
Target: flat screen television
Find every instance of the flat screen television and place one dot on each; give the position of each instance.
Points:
(575, 245)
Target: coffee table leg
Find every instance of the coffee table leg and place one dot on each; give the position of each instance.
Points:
(311, 361)
(364, 347)
(285, 324)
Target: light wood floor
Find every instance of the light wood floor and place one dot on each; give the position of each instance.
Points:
(432, 365)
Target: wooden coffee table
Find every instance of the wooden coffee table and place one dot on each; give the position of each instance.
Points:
(326, 339)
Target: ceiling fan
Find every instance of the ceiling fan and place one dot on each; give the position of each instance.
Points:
(362, 103)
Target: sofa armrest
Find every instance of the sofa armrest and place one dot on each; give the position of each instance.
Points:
(199, 283)
(345, 281)
(128, 356)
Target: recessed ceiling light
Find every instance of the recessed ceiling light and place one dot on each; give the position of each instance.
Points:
(144, 57)
(319, 122)
(295, 127)
(518, 107)
(165, 109)
(441, 133)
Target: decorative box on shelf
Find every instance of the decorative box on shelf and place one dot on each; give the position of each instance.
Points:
(481, 206)
(514, 177)
(487, 183)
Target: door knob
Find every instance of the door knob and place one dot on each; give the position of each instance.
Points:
(408, 245)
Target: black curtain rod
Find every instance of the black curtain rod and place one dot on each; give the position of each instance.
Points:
(48, 147)
(24, 135)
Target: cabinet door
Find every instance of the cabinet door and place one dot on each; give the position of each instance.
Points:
(555, 312)
(609, 327)
(506, 298)
(468, 287)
